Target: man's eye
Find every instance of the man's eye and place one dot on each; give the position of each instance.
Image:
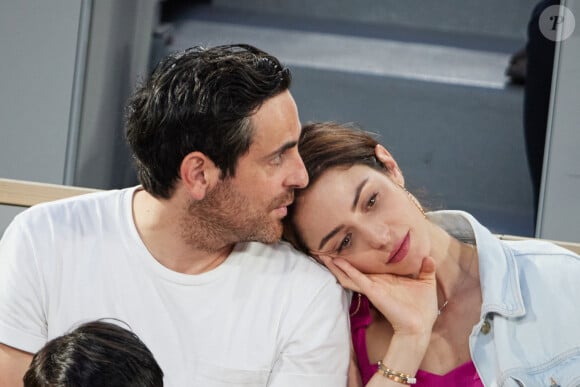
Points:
(277, 159)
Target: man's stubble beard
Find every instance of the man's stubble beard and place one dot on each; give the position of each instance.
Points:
(225, 217)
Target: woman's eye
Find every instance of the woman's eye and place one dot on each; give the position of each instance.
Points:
(372, 201)
(344, 243)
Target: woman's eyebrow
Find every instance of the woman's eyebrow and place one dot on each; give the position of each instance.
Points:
(354, 204)
(328, 236)
(357, 193)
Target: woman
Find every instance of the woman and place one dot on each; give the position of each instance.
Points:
(438, 299)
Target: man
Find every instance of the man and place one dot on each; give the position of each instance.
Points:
(214, 134)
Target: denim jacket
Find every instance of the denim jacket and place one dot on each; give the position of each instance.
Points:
(529, 328)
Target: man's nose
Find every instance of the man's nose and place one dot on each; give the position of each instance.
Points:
(298, 177)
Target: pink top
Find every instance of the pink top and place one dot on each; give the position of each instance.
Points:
(465, 375)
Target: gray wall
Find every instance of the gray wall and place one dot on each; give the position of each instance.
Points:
(39, 48)
(559, 215)
(118, 56)
(37, 74)
(67, 68)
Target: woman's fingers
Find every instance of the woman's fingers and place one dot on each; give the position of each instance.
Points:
(339, 273)
(397, 297)
(360, 280)
(427, 271)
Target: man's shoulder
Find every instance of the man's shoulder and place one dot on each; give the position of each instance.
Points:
(289, 275)
(79, 207)
(281, 257)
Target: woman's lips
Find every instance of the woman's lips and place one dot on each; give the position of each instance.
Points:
(402, 250)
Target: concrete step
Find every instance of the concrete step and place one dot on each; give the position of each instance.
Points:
(495, 18)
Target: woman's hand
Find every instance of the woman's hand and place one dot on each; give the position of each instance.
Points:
(410, 304)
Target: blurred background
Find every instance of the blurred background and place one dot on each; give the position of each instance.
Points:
(433, 79)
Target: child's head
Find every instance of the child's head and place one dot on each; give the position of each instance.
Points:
(97, 353)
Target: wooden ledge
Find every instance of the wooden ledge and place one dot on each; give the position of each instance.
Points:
(26, 193)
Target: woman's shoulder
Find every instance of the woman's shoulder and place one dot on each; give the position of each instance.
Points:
(544, 265)
(538, 250)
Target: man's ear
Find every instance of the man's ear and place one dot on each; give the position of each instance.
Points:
(198, 174)
(389, 162)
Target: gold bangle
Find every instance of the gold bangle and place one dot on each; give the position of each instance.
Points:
(398, 377)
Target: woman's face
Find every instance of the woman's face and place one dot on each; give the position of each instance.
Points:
(362, 215)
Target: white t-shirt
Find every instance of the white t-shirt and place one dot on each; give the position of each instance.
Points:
(267, 316)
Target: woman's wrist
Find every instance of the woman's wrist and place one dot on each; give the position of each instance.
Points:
(396, 376)
(402, 360)
(406, 352)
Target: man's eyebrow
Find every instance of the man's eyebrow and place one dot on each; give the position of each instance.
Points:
(328, 236)
(357, 193)
(354, 204)
(283, 148)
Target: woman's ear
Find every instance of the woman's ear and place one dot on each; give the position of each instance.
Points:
(390, 164)
(198, 174)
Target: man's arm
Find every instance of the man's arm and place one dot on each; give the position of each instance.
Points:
(22, 322)
(317, 351)
(354, 378)
(13, 365)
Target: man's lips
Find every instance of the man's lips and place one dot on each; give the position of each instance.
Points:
(281, 211)
(282, 208)
(284, 201)
(401, 250)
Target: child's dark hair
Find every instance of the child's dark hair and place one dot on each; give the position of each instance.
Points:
(95, 354)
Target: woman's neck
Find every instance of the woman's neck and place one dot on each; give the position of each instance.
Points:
(457, 266)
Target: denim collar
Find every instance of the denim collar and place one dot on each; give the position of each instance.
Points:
(498, 270)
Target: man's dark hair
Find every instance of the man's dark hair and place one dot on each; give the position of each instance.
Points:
(95, 354)
(199, 100)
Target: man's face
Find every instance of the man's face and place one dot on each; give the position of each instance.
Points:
(251, 204)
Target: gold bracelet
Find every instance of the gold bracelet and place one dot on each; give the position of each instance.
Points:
(398, 377)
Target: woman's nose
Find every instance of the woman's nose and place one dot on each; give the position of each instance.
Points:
(379, 235)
